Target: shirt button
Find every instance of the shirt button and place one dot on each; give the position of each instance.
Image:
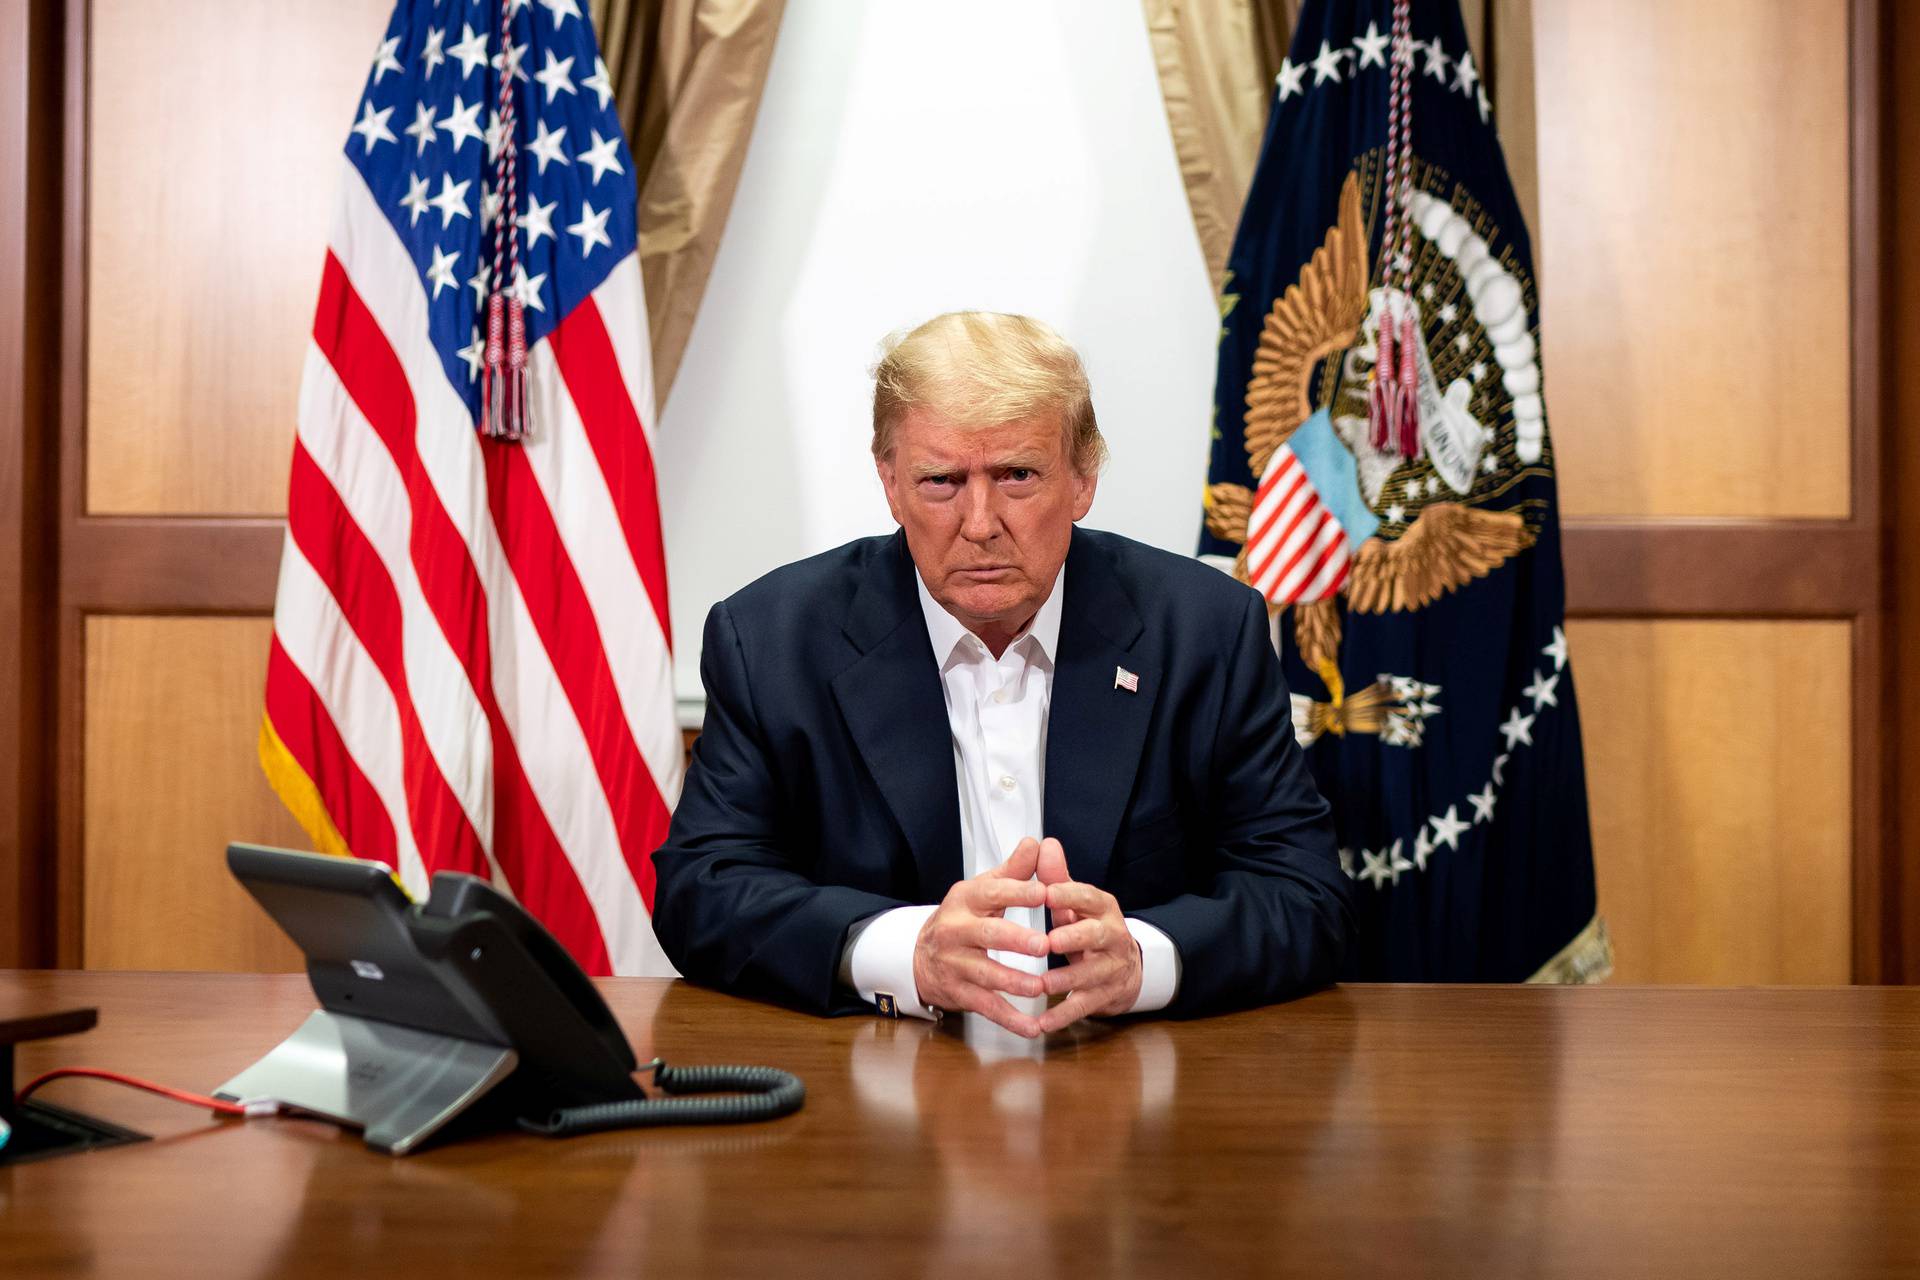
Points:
(1006, 782)
(999, 695)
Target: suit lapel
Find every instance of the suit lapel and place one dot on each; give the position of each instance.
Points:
(897, 713)
(1095, 727)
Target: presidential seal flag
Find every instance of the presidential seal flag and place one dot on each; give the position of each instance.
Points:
(1381, 472)
(470, 666)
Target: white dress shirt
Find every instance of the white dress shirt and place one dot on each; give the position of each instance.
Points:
(997, 711)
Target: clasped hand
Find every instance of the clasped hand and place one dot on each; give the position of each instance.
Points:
(952, 969)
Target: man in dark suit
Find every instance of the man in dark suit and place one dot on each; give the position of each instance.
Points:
(935, 761)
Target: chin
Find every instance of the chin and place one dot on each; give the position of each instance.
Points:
(993, 606)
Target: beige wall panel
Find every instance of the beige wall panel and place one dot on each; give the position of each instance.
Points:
(1718, 768)
(213, 160)
(1693, 242)
(173, 710)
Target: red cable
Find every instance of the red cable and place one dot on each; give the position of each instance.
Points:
(222, 1106)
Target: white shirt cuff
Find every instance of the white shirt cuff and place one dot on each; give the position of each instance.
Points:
(881, 958)
(1159, 967)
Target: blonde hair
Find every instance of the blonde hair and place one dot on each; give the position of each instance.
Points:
(986, 368)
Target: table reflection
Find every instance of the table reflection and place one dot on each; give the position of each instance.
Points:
(1031, 1138)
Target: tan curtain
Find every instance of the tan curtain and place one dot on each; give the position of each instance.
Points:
(687, 77)
(1217, 61)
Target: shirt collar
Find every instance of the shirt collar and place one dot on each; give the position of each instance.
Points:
(947, 632)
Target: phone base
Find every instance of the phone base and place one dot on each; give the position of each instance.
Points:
(395, 1084)
(35, 1130)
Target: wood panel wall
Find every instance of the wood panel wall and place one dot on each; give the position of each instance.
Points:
(1711, 186)
(191, 276)
(1713, 342)
(1694, 321)
(1902, 313)
(29, 355)
(157, 814)
(1718, 769)
(208, 236)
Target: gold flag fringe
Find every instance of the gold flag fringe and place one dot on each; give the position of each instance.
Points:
(1587, 959)
(297, 792)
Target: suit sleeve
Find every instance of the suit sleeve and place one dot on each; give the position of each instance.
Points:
(1270, 915)
(733, 907)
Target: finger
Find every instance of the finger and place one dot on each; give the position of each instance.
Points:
(1058, 916)
(1092, 971)
(1019, 864)
(1098, 934)
(1079, 1005)
(996, 933)
(995, 1009)
(995, 894)
(1087, 899)
(990, 974)
(1052, 863)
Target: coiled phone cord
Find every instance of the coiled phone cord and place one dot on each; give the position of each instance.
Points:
(753, 1093)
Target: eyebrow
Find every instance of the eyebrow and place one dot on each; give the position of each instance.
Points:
(927, 470)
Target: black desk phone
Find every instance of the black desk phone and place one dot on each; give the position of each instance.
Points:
(461, 1005)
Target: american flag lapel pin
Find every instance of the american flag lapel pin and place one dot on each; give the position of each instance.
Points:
(1125, 679)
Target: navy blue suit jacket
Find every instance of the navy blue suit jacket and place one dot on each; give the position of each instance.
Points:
(822, 786)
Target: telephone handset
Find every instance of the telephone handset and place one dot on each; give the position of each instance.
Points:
(461, 1004)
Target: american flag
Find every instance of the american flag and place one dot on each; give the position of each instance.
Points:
(1296, 550)
(471, 656)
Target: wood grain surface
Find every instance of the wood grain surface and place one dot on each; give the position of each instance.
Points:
(1902, 284)
(29, 366)
(1411, 1131)
(1693, 243)
(213, 157)
(172, 718)
(1717, 775)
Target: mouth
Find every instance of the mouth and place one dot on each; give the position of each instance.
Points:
(985, 573)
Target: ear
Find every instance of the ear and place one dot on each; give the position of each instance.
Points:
(884, 466)
(1083, 487)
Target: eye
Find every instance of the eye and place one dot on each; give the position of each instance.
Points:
(1020, 475)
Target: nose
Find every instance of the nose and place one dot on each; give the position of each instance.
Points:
(979, 515)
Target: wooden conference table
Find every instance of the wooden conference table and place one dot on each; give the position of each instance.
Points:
(1360, 1131)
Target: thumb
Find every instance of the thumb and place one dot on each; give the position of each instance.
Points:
(1021, 862)
(1052, 866)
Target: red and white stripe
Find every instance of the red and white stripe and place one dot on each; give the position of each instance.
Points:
(1296, 551)
(471, 655)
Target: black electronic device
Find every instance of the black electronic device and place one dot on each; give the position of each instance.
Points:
(463, 1004)
(31, 1129)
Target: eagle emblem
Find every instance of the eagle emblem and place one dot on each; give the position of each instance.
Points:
(1418, 521)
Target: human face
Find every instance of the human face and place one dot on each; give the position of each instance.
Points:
(988, 513)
